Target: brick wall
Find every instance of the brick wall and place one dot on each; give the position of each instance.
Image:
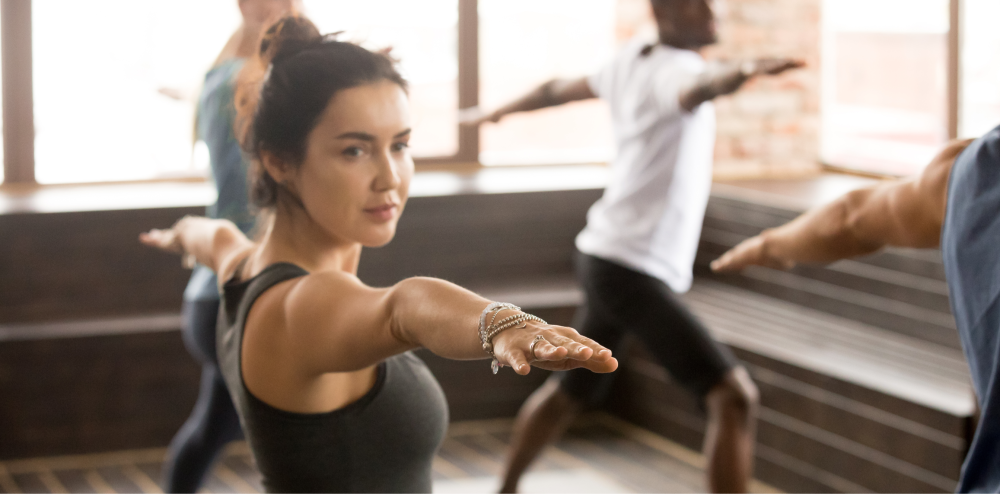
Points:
(771, 127)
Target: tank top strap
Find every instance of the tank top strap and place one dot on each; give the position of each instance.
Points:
(239, 296)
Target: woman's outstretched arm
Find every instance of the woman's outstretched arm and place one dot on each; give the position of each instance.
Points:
(335, 323)
(903, 213)
(210, 242)
(342, 325)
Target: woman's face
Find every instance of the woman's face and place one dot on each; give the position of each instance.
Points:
(356, 175)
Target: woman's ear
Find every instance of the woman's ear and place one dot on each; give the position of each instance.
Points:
(277, 168)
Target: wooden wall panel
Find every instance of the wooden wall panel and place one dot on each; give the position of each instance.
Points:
(133, 388)
(66, 266)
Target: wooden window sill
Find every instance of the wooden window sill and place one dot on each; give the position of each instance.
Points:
(797, 194)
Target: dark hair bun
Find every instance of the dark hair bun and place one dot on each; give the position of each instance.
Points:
(287, 37)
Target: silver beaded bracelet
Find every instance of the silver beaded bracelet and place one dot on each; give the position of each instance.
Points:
(493, 307)
(487, 332)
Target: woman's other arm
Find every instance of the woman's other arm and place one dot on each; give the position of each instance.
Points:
(213, 243)
(341, 325)
(903, 213)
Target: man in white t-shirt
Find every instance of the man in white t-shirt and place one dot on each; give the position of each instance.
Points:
(637, 250)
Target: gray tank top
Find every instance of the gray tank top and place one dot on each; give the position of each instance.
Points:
(383, 442)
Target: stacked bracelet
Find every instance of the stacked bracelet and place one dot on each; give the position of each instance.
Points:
(487, 332)
(495, 308)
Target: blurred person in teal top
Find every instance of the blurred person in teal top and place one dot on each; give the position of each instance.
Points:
(213, 422)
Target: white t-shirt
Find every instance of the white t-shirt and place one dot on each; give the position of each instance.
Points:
(650, 216)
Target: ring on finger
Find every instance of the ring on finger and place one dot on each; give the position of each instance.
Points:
(531, 347)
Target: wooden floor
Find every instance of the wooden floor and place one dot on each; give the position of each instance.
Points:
(599, 454)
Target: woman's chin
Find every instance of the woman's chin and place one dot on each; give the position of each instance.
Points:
(379, 238)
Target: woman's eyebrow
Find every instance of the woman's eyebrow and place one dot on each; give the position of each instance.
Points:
(361, 136)
(364, 136)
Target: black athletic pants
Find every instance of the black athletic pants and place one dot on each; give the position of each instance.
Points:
(622, 301)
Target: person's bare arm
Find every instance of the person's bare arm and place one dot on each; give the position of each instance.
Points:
(211, 242)
(341, 325)
(553, 93)
(903, 213)
(728, 77)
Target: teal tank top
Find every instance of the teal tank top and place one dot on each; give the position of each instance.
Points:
(216, 119)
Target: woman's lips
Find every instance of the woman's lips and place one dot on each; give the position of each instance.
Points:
(383, 213)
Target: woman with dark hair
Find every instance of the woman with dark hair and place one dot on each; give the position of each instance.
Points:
(317, 363)
(213, 422)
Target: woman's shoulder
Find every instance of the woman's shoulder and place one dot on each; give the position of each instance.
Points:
(321, 290)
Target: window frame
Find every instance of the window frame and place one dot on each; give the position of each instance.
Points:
(952, 89)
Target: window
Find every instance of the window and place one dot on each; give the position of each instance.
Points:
(424, 37)
(979, 95)
(885, 83)
(523, 43)
(1, 124)
(101, 69)
(111, 90)
(115, 81)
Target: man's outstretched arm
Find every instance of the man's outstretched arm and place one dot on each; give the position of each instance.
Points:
(728, 77)
(553, 93)
(904, 213)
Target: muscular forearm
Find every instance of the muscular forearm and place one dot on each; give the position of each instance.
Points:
(858, 223)
(437, 315)
(553, 93)
(902, 213)
(832, 232)
(725, 79)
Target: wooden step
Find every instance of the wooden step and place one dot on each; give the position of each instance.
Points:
(913, 369)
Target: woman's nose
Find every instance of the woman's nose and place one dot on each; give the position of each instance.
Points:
(388, 173)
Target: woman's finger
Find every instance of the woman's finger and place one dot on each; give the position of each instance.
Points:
(153, 238)
(600, 352)
(516, 360)
(609, 365)
(575, 350)
(161, 239)
(547, 351)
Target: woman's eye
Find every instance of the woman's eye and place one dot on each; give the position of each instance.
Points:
(399, 146)
(353, 152)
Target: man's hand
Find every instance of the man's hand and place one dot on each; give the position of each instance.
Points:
(750, 252)
(774, 66)
(475, 116)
